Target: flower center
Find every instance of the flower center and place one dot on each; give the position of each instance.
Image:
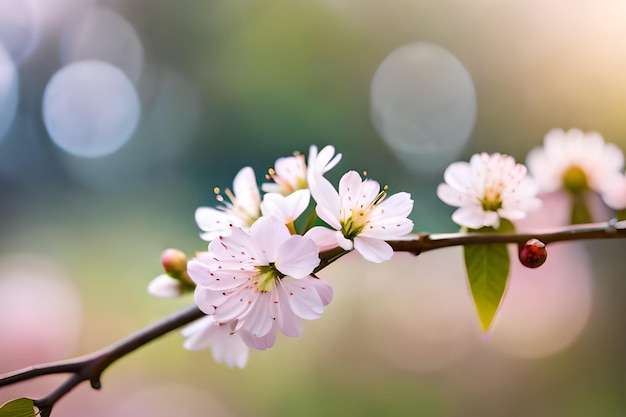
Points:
(492, 199)
(265, 279)
(358, 218)
(575, 180)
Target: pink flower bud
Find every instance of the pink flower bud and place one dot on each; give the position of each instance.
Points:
(175, 264)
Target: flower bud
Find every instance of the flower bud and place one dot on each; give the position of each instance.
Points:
(175, 264)
(533, 254)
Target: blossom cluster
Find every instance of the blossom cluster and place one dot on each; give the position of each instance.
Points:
(257, 277)
(494, 187)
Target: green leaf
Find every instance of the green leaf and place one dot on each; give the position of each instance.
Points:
(506, 226)
(620, 215)
(22, 407)
(580, 211)
(487, 268)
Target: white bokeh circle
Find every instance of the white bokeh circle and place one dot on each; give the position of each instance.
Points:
(423, 104)
(20, 30)
(90, 108)
(103, 35)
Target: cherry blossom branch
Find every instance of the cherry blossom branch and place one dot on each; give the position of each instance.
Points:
(90, 367)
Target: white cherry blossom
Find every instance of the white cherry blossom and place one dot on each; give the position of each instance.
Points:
(575, 161)
(292, 173)
(486, 189)
(242, 210)
(288, 174)
(286, 208)
(361, 216)
(260, 279)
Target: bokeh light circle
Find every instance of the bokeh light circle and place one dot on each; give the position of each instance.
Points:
(90, 108)
(423, 104)
(9, 87)
(19, 28)
(104, 35)
(40, 312)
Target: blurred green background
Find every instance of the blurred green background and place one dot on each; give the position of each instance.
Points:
(225, 84)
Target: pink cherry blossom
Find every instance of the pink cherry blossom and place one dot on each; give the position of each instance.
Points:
(260, 279)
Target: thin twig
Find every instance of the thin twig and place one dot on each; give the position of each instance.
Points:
(90, 367)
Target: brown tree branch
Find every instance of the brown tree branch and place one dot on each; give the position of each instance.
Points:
(90, 367)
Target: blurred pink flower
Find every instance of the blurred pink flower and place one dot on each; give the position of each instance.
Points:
(574, 161)
(614, 192)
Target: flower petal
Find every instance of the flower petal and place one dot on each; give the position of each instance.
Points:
(303, 299)
(268, 234)
(260, 318)
(327, 200)
(458, 176)
(286, 209)
(324, 238)
(164, 286)
(260, 343)
(297, 256)
(207, 300)
(453, 196)
(247, 191)
(323, 288)
(374, 250)
(235, 306)
(216, 222)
